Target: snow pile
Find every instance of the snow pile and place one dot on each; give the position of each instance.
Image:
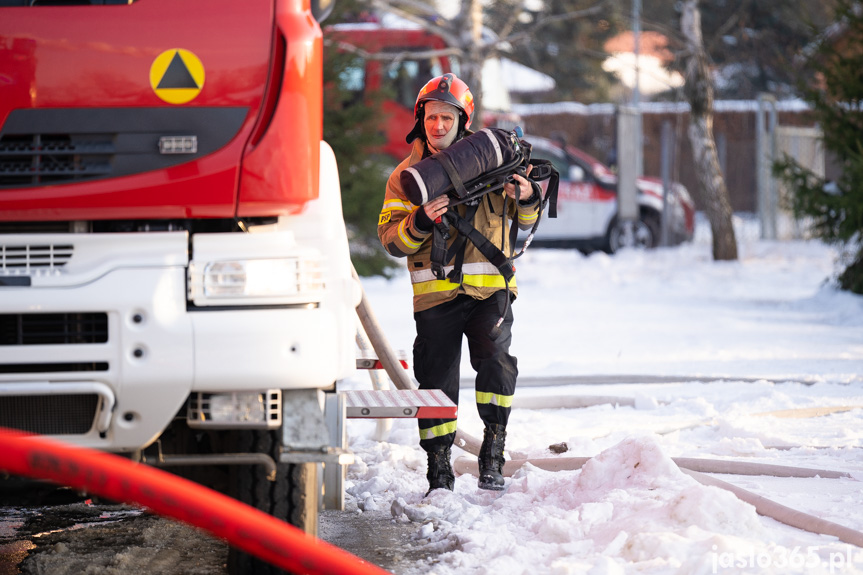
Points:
(629, 509)
(630, 502)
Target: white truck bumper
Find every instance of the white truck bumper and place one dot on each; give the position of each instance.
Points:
(123, 349)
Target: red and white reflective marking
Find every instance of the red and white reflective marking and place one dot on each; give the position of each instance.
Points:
(420, 403)
(374, 363)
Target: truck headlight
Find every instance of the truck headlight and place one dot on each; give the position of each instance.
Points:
(256, 281)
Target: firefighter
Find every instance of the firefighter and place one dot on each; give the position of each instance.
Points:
(445, 311)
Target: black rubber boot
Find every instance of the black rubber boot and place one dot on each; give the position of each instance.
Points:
(491, 458)
(440, 474)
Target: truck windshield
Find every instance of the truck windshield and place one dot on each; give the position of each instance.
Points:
(405, 78)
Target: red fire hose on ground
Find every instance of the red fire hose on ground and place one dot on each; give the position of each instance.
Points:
(119, 479)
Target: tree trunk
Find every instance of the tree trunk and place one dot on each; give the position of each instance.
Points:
(699, 92)
(472, 62)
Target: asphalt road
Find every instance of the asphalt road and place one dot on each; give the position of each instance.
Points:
(57, 532)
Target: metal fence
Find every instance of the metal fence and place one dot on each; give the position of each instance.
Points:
(593, 128)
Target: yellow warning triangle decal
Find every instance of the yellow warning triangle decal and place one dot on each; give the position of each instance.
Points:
(177, 76)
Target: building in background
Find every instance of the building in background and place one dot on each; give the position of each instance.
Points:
(653, 59)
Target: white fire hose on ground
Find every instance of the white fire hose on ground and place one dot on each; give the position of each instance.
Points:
(466, 465)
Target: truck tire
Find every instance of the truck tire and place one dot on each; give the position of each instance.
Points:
(293, 497)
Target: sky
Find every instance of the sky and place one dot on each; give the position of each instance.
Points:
(677, 356)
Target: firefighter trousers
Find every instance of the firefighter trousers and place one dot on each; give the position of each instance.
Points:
(437, 356)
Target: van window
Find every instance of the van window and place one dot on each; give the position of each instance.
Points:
(555, 155)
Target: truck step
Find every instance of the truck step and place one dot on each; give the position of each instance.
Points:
(420, 403)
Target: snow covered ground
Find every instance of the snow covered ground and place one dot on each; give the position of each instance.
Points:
(702, 355)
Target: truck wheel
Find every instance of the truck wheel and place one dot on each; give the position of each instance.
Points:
(293, 497)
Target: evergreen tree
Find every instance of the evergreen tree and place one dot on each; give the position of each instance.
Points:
(353, 127)
(836, 208)
(751, 44)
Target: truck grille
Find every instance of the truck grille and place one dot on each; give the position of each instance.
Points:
(44, 146)
(53, 328)
(34, 159)
(49, 414)
(16, 260)
(17, 368)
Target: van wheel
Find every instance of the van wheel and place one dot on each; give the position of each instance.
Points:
(293, 497)
(645, 235)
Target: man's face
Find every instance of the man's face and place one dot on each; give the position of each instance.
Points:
(439, 124)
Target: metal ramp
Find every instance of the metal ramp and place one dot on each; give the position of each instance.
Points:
(419, 403)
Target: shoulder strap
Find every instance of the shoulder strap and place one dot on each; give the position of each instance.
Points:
(551, 190)
(444, 160)
(485, 247)
(440, 255)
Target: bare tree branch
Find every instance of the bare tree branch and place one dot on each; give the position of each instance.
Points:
(453, 35)
(443, 32)
(391, 56)
(463, 34)
(668, 31)
(727, 25)
(422, 7)
(506, 30)
(542, 22)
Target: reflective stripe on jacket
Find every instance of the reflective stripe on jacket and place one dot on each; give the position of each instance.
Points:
(400, 237)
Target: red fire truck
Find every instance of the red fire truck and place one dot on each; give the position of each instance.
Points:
(400, 60)
(175, 280)
(397, 60)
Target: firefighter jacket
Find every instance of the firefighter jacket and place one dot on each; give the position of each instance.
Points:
(400, 236)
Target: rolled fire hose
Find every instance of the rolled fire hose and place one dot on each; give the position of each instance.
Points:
(119, 479)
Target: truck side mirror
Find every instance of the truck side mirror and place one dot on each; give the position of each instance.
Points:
(321, 9)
